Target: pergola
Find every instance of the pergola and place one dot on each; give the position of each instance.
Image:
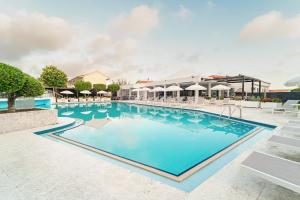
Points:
(240, 79)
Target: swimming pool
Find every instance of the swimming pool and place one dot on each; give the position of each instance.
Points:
(171, 142)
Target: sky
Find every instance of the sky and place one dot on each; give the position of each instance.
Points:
(156, 40)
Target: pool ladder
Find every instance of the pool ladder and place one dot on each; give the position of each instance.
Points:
(230, 110)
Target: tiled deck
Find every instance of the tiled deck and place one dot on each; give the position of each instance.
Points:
(34, 167)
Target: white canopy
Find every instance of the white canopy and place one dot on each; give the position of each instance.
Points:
(145, 89)
(158, 89)
(293, 82)
(195, 87)
(220, 87)
(102, 92)
(66, 92)
(173, 88)
(85, 92)
(141, 89)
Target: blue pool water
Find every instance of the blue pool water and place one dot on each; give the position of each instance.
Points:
(39, 103)
(170, 140)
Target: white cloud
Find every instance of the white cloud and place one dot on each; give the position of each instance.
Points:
(140, 21)
(271, 25)
(23, 33)
(183, 12)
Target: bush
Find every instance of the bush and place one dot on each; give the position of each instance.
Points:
(276, 100)
(99, 87)
(264, 100)
(237, 98)
(296, 90)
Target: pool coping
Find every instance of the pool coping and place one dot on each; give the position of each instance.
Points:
(184, 175)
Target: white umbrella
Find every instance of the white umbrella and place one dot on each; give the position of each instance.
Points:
(173, 88)
(158, 89)
(85, 92)
(67, 92)
(145, 89)
(220, 88)
(102, 92)
(293, 82)
(196, 87)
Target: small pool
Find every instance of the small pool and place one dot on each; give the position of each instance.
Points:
(168, 141)
(39, 103)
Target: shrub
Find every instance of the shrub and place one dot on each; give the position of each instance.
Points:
(276, 100)
(266, 100)
(296, 90)
(99, 87)
(113, 88)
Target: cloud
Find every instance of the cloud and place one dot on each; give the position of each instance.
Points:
(140, 21)
(23, 33)
(183, 12)
(271, 25)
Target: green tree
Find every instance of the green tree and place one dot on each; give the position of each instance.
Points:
(99, 87)
(53, 77)
(82, 85)
(14, 83)
(113, 88)
(296, 90)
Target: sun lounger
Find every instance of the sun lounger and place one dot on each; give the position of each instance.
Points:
(288, 106)
(285, 141)
(277, 170)
(290, 129)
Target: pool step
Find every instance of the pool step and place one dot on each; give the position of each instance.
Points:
(76, 123)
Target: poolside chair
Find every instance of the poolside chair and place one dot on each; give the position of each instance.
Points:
(213, 101)
(277, 170)
(295, 130)
(288, 106)
(291, 142)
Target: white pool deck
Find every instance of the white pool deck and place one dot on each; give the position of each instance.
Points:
(33, 168)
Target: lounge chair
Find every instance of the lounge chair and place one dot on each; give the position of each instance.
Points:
(295, 130)
(292, 142)
(213, 101)
(288, 106)
(280, 171)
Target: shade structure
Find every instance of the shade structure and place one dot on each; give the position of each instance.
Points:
(145, 89)
(196, 87)
(66, 92)
(293, 82)
(220, 87)
(173, 88)
(158, 89)
(102, 92)
(85, 92)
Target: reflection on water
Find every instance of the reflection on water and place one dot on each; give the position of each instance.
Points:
(189, 120)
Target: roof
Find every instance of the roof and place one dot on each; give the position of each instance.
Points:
(280, 90)
(81, 76)
(143, 81)
(216, 76)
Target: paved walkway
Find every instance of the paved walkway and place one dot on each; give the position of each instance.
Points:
(33, 167)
